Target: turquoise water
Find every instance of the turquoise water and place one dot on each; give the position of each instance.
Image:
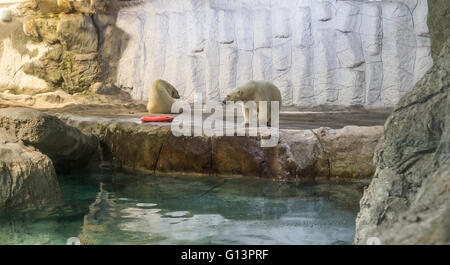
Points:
(115, 208)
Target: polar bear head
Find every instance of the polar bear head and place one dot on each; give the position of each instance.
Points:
(239, 94)
(172, 91)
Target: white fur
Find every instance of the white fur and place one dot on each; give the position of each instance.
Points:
(256, 91)
(161, 97)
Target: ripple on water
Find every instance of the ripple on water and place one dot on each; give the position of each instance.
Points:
(124, 209)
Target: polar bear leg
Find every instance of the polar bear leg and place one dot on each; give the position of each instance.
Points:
(262, 114)
(246, 112)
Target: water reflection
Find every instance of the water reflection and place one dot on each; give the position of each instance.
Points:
(200, 210)
(123, 209)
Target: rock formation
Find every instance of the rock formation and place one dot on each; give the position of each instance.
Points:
(439, 24)
(305, 155)
(32, 145)
(54, 47)
(27, 177)
(66, 146)
(408, 201)
(71, 62)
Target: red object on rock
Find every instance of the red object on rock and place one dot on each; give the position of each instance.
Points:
(157, 119)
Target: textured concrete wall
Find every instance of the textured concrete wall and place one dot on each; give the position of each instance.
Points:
(315, 51)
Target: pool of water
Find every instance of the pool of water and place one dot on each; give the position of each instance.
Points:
(116, 208)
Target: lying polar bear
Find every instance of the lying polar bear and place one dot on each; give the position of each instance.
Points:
(256, 91)
(161, 97)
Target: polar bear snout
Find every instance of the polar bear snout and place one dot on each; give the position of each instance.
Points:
(175, 93)
(227, 98)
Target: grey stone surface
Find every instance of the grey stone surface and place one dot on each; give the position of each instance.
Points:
(408, 199)
(27, 177)
(305, 155)
(439, 24)
(66, 146)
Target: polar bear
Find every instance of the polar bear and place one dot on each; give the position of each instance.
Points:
(256, 91)
(161, 97)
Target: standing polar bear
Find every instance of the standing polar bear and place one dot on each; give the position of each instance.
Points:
(256, 91)
(161, 97)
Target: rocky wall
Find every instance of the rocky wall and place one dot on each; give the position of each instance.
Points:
(48, 45)
(408, 200)
(317, 52)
